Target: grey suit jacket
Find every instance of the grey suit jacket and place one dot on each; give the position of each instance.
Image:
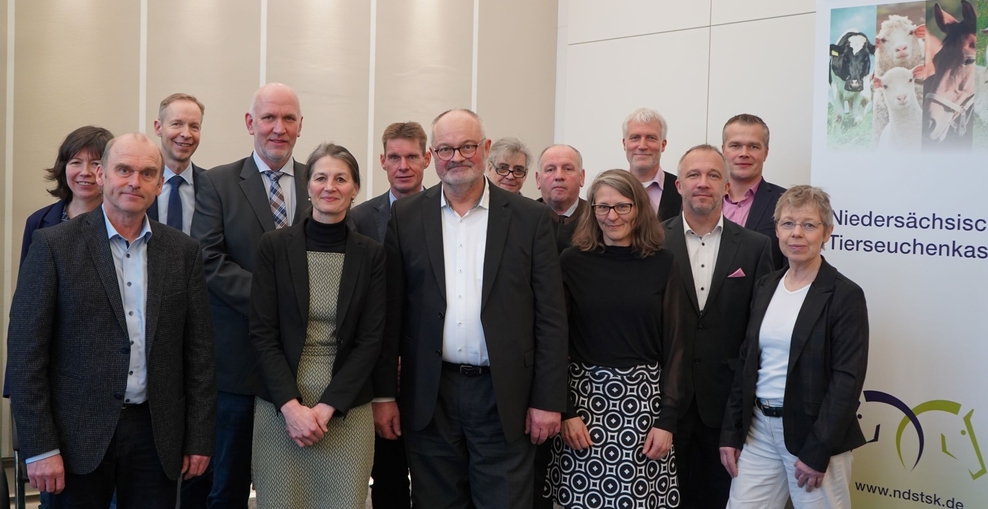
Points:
(711, 339)
(232, 212)
(371, 217)
(70, 351)
(523, 309)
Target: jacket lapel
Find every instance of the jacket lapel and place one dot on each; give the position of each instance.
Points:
(256, 194)
(729, 245)
(819, 293)
(99, 248)
(432, 223)
(759, 305)
(298, 268)
(758, 205)
(352, 261)
(676, 242)
(383, 209)
(157, 258)
(300, 193)
(498, 219)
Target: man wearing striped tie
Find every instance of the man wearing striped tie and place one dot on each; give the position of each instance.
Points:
(235, 205)
(179, 124)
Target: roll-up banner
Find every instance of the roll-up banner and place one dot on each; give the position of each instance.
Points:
(900, 141)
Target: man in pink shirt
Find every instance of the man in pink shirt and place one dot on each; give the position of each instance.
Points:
(750, 200)
(644, 140)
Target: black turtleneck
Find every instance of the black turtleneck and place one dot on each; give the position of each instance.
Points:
(325, 237)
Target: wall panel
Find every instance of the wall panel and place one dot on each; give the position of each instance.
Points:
(733, 11)
(593, 20)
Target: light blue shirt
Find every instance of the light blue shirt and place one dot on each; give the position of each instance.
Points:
(188, 193)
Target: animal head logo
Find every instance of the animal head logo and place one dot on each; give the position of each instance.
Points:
(951, 443)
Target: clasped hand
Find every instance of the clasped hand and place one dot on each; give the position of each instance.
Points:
(306, 426)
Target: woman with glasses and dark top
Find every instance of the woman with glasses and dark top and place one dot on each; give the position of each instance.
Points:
(316, 323)
(507, 164)
(614, 449)
(790, 423)
(74, 175)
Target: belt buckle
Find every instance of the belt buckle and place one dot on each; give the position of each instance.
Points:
(468, 370)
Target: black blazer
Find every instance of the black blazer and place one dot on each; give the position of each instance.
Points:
(828, 358)
(523, 310)
(69, 346)
(760, 217)
(711, 340)
(280, 315)
(232, 212)
(563, 228)
(49, 215)
(671, 203)
(196, 171)
(371, 217)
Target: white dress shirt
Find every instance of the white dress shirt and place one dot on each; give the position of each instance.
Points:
(188, 193)
(464, 246)
(287, 181)
(703, 257)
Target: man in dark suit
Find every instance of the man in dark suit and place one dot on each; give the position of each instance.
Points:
(644, 141)
(720, 263)
(235, 204)
(475, 300)
(559, 178)
(405, 159)
(178, 125)
(111, 348)
(751, 199)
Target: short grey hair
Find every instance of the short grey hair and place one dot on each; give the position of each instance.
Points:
(509, 146)
(483, 130)
(704, 147)
(799, 196)
(645, 116)
(579, 156)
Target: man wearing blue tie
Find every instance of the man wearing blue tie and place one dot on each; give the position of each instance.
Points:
(178, 125)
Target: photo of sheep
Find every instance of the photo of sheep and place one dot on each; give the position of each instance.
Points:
(897, 88)
(981, 90)
(951, 75)
(852, 50)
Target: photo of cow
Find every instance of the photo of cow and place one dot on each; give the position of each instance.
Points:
(852, 50)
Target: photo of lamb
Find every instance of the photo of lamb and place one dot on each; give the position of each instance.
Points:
(897, 83)
(852, 50)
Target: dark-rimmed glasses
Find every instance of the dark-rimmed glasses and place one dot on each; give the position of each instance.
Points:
(467, 151)
(620, 208)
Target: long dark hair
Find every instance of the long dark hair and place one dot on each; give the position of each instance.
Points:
(89, 138)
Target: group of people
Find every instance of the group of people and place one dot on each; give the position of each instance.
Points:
(673, 340)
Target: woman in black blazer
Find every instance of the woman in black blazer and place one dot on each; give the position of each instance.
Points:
(790, 422)
(316, 323)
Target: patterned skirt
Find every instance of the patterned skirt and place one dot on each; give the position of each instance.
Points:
(618, 407)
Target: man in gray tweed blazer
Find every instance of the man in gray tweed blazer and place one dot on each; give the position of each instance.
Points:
(111, 347)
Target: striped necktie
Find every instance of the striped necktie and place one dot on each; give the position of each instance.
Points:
(277, 199)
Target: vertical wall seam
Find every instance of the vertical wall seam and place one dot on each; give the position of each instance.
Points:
(371, 91)
(8, 193)
(263, 58)
(476, 51)
(142, 92)
(710, 53)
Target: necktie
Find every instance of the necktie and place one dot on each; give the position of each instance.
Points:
(278, 208)
(175, 203)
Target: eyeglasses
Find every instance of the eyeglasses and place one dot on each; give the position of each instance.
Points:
(446, 153)
(503, 170)
(620, 208)
(807, 226)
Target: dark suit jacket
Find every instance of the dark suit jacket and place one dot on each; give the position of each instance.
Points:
(44, 217)
(760, 217)
(69, 346)
(711, 339)
(232, 212)
(196, 172)
(827, 362)
(671, 203)
(280, 315)
(522, 310)
(371, 217)
(563, 228)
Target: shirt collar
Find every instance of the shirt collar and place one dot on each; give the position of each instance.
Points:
(572, 209)
(718, 228)
(485, 199)
(392, 198)
(186, 175)
(287, 169)
(749, 194)
(658, 179)
(112, 232)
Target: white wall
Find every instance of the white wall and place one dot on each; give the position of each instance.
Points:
(698, 63)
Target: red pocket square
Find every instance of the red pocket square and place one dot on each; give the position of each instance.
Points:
(737, 273)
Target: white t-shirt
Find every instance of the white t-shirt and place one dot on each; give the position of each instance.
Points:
(775, 338)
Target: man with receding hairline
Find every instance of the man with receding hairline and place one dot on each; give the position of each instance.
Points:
(559, 178)
(475, 306)
(236, 204)
(179, 124)
(111, 348)
(751, 200)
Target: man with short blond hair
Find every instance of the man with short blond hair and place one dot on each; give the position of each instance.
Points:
(751, 200)
(179, 125)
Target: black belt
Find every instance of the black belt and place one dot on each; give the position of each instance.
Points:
(466, 369)
(769, 411)
(133, 406)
